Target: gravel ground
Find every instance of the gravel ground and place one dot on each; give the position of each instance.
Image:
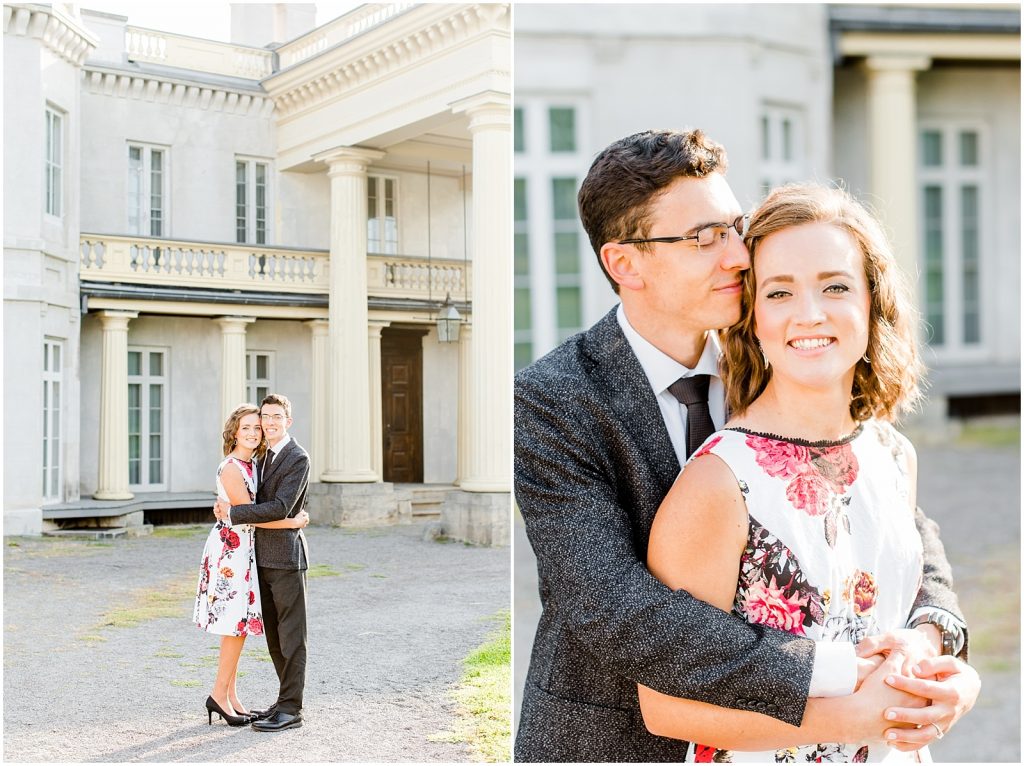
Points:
(974, 494)
(386, 641)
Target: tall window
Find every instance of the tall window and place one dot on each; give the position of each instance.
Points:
(523, 310)
(54, 167)
(953, 186)
(147, 187)
(782, 146)
(53, 353)
(568, 295)
(252, 201)
(554, 282)
(258, 375)
(147, 418)
(381, 215)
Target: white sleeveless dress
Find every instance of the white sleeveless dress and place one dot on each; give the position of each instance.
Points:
(833, 552)
(228, 596)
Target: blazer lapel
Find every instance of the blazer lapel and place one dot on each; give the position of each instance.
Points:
(618, 373)
(275, 462)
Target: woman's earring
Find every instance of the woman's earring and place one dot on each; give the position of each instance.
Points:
(865, 358)
(767, 364)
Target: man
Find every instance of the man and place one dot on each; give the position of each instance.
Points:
(599, 439)
(281, 559)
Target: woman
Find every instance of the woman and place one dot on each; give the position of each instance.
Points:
(228, 597)
(808, 492)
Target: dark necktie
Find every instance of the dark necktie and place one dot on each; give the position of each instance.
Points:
(267, 460)
(692, 393)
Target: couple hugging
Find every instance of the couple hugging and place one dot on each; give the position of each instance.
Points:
(252, 580)
(781, 598)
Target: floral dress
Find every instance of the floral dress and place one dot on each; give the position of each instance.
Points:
(833, 552)
(228, 596)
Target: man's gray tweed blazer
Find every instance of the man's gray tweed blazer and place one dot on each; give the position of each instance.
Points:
(593, 461)
(282, 493)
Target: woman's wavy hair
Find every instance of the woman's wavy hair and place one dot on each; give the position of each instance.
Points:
(231, 428)
(885, 387)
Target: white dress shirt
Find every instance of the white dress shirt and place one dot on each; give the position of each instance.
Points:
(835, 662)
(272, 453)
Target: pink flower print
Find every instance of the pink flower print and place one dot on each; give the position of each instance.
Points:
(838, 465)
(706, 448)
(255, 626)
(769, 605)
(778, 458)
(809, 493)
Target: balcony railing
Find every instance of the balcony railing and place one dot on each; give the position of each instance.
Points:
(186, 52)
(178, 263)
(339, 30)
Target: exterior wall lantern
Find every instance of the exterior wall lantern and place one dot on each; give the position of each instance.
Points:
(448, 322)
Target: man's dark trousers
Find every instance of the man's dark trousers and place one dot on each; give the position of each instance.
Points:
(283, 595)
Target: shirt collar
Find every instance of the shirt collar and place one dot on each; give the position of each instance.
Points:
(661, 369)
(276, 449)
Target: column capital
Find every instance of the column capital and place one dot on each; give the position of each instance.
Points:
(348, 160)
(234, 324)
(117, 320)
(374, 327)
(488, 109)
(896, 63)
(319, 327)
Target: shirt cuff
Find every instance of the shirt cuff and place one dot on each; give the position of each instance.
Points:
(960, 638)
(835, 669)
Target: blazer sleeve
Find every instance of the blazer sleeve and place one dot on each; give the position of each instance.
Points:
(286, 495)
(937, 584)
(592, 578)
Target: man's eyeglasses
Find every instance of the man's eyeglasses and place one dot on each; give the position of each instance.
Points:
(710, 239)
(275, 418)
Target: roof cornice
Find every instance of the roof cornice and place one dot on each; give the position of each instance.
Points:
(407, 40)
(58, 32)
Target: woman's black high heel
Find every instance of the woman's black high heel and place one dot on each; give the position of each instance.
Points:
(231, 720)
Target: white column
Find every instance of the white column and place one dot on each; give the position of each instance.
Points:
(376, 403)
(465, 384)
(348, 410)
(489, 429)
(892, 144)
(112, 481)
(318, 399)
(232, 362)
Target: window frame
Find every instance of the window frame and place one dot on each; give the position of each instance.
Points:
(776, 169)
(145, 380)
(53, 167)
(380, 181)
(144, 227)
(951, 178)
(254, 383)
(53, 456)
(252, 164)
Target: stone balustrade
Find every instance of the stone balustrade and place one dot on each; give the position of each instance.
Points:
(169, 49)
(343, 28)
(166, 262)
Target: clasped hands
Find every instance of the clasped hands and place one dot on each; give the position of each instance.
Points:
(924, 694)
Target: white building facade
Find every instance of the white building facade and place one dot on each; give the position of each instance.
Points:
(915, 109)
(218, 221)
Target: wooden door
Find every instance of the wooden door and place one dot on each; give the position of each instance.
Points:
(401, 360)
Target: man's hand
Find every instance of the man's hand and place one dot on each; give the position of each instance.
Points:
(952, 693)
(221, 510)
(866, 666)
(915, 645)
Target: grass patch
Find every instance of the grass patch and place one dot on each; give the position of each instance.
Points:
(149, 604)
(355, 567)
(321, 570)
(189, 684)
(483, 698)
(175, 531)
(92, 637)
(379, 576)
(985, 434)
(170, 654)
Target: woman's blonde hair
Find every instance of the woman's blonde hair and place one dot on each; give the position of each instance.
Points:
(884, 387)
(231, 428)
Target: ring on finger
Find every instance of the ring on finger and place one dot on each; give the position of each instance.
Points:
(938, 731)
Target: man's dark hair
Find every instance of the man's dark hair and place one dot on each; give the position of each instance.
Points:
(279, 399)
(624, 180)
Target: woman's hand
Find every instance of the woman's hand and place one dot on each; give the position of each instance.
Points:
(952, 693)
(914, 644)
(863, 713)
(300, 520)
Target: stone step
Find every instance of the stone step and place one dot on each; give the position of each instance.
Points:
(100, 533)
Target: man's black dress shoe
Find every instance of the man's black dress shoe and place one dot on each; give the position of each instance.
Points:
(278, 721)
(259, 715)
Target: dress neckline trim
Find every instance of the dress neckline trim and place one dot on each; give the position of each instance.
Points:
(802, 442)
